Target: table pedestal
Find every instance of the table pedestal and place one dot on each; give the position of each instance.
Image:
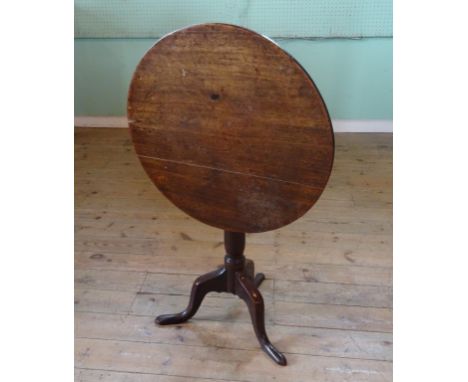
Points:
(236, 276)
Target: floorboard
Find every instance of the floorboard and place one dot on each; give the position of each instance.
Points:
(328, 291)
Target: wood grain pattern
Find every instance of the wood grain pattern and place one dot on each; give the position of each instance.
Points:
(230, 128)
(222, 363)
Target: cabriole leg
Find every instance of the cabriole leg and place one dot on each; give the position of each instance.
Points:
(211, 282)
(247, 291)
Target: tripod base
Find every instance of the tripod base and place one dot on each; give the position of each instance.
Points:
(236, 277)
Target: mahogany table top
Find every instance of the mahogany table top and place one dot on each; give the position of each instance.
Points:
(230, 128)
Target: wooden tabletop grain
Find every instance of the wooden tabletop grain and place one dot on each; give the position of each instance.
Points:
(230, 128)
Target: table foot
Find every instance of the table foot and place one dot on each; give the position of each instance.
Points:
(247, 290)
(259, 277)
(211, 282)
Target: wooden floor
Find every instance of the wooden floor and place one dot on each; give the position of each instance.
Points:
(328, 291)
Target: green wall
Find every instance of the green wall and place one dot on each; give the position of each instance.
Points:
(274, 18)
(345, 45)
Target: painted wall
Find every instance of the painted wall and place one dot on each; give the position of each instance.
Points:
(345, 45)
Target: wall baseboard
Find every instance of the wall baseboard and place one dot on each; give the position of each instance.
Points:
(362, 125)
(339, 125)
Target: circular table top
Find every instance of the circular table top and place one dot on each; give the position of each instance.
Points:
(230, 128)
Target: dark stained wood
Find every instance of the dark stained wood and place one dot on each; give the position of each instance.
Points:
(237, 276)
(233, 131)
(230, 128)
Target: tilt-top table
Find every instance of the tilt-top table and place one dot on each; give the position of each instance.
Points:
(232, 130)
